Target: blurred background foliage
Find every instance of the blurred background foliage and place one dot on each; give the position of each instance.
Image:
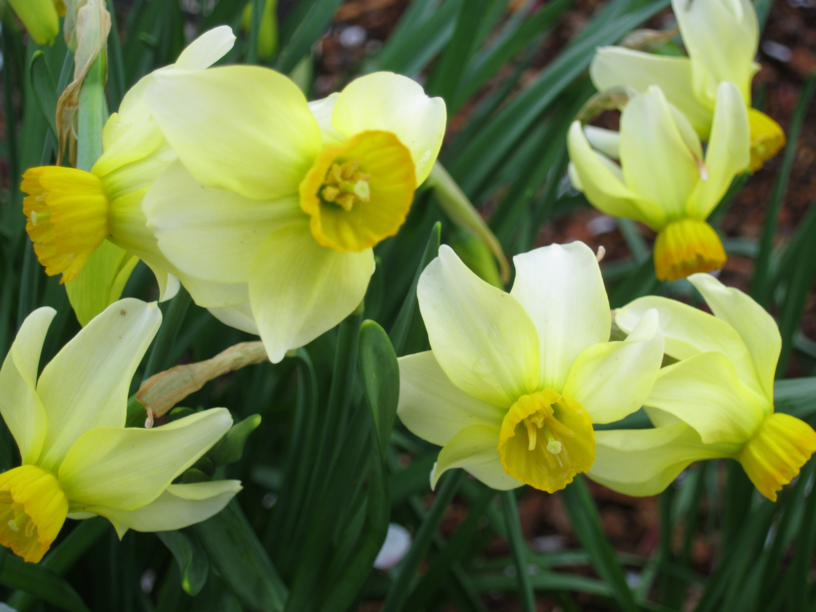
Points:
(327, 470)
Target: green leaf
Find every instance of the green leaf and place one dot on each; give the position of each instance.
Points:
(379, 371)
(45, 90)
(235, 552)
(399, 331)
(230, 448)
(42, 583)
(191, 559)
(519, 550)
(313, 24)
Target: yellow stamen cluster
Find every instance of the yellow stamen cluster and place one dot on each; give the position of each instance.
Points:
(67, 212)
(344, 185)
(686, 247)
(567, 448)
(33, 508)
(777, 452)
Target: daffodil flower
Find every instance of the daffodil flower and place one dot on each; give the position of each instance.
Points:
(514, 381)
(71, 213)
(654, 170)
(286, 199)
(721, 38)
(40, 17)
(716, 401)
(78, 459)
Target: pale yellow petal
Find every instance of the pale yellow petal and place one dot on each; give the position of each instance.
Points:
(474, 449)
(482, 338)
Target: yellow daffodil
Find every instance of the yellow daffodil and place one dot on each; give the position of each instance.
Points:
(71, 213)
(514, 381)
(716, 401)
(78, 459)
(285, 199)
(40, 17)
(654, 170)
(721, 38)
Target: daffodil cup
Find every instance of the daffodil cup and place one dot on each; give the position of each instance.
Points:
(72, 214)
(721, 38)
(715, 401)
(78, 459)
(514, 381)
(283, 199)
(654, 170)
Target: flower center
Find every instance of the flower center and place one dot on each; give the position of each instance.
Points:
(344, 185)
(67, 212)
(358, 193)
(685, 247)
(546, 439)
(777, 452)
(33, 508)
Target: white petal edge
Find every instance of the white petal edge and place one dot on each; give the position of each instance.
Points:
(475, 449)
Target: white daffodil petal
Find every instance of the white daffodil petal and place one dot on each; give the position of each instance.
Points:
(394, 103)
(688, 331)
(704, 391)
(721, 37)
(238, 316)
(299, 289)
(86, 385)
(473, 448)
(178, 507)
(618, 67)
(262, 148)
(435, 409)
(644, 462)
(323, 111)
(603, 184)
(728, 152)
(208, 294)
(19, 404)
(613, 379)
(207, 49)
(562, 291)
(210, 233)
(129, 468)
(755, 326)
(480, 335)
(657, 162)
(605, 141)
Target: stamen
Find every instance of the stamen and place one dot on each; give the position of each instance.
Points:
(553, 445)
(345, 186)
(532, 434)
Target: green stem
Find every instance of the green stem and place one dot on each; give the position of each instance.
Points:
(405, 574)
(519, 549)
(92, 114)
(258, 7)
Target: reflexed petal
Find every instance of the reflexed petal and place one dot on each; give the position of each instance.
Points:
(721, 37)
(178, 507)
(435, 409)
(618, 66)
(474, 448)
(561, 289)
(207, 49)
(657, 161)
(480, 335)
(605, 141)
(688, 332)
(323, 111)
(644, 462)
(210, 233)
(299, 289)
(242, 128)
(613, 379)
(238, 316)
(21, 408)
(728, 151)
(129, 468)
(604, 186)
(754, 325)
(394, 103)
(704, 391)
(86, 385)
